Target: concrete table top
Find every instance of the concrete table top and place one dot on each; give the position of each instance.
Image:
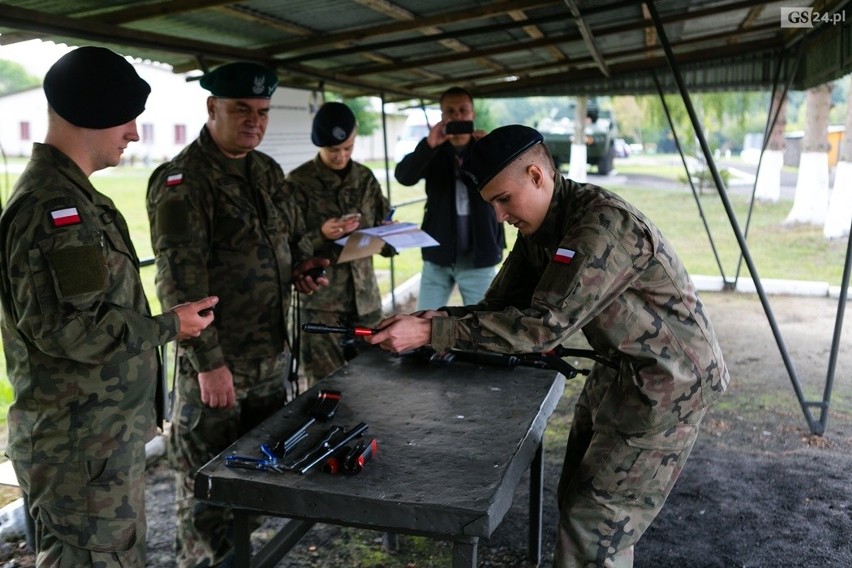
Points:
(453, 443)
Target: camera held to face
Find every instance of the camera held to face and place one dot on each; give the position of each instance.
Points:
(458, 127)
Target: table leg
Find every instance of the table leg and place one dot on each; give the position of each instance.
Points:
(536, 506)
(464, 552)
(242, 538)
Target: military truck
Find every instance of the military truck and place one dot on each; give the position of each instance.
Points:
(601, 132)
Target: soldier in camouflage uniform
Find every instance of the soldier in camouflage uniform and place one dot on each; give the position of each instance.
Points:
(326, 188)
(585, 260)
(80, 340)
(222, 223)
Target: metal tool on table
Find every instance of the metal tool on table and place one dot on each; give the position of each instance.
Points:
(321, 447)
(267, 463)
(321, 410)
(335, 447)
(351, 459)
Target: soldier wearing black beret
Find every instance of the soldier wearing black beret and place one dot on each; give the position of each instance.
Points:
(337, 196)
(221, 223)
(80, 341)
(587, 261)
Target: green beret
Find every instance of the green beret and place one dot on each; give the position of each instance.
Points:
(93, 87)
(496, 150)
(241, 80)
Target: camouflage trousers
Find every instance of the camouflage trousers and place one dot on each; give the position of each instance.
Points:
(322, 354)
(612, 487)
(89, 513)
(204, 531)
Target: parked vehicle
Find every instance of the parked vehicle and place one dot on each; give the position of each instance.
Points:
(558, 133)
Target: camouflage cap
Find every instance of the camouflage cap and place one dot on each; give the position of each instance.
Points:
(496, 150)
(93, 87)
(333, 124)
(240, 80)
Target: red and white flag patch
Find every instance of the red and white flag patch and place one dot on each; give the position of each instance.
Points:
(63, 217)
(563, 256)
(174, 179)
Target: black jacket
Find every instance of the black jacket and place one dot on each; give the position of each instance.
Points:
(437, 166)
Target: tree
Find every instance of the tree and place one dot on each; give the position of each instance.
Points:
(839, 215)
(768, 187)
(810, 203)
(14, 78)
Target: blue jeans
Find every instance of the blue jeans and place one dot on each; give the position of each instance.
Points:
(437, 282)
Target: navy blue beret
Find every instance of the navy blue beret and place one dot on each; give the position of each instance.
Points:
(333, 124)
(240, 80)
(93, 87)
(496, 150)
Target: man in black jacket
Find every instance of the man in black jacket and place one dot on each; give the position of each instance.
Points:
(471, 240)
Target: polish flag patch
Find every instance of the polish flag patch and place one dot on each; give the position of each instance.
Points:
(63, 217)
(563, 256)
(174, 179)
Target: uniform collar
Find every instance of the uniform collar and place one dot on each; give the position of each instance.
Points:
(551, 230)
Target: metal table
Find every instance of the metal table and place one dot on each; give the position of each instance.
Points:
(453, 444)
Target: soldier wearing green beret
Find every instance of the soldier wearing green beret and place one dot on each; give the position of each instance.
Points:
(337, 196)
(80, 341)
(585, 260)
(222, 223)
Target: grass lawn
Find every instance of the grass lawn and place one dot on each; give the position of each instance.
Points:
(778, 250)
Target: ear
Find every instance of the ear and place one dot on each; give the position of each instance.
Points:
(211, 106)
(536, 175)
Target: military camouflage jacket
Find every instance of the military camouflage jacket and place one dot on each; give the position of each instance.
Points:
(322, 194)
(598, 265)
(216, 231)
(77, 331)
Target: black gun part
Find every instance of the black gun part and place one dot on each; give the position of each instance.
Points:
(347, 438)
(353, 330)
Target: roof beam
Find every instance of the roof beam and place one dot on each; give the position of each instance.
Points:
(490, 10)
(588, 37)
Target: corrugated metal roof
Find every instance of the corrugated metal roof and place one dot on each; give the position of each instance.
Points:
(417, 48)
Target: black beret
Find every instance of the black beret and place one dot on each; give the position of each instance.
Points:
(240, 80)
(496, 150)
(93, 87)
(333, 124)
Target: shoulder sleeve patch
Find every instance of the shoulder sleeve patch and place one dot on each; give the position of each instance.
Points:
(79, 270)
(65, 216)
(174, 179)
(173, 222)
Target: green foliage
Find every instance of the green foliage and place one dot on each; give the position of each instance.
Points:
(14, 78)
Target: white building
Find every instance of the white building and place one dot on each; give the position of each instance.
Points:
(174, 114)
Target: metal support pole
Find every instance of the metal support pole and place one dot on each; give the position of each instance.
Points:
(771, 119)
(835, 343)
(689, 178)
(729, 210)
(388, 182)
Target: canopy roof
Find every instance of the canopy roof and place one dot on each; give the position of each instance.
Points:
(416, 48)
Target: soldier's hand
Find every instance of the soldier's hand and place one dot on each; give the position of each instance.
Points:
(304, 281)
(195, 316)
(217, 388)
(402, 333)
(388, 251)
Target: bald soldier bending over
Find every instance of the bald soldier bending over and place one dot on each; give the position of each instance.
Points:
(586, 260)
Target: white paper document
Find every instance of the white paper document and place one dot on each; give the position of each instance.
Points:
(366, 242)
